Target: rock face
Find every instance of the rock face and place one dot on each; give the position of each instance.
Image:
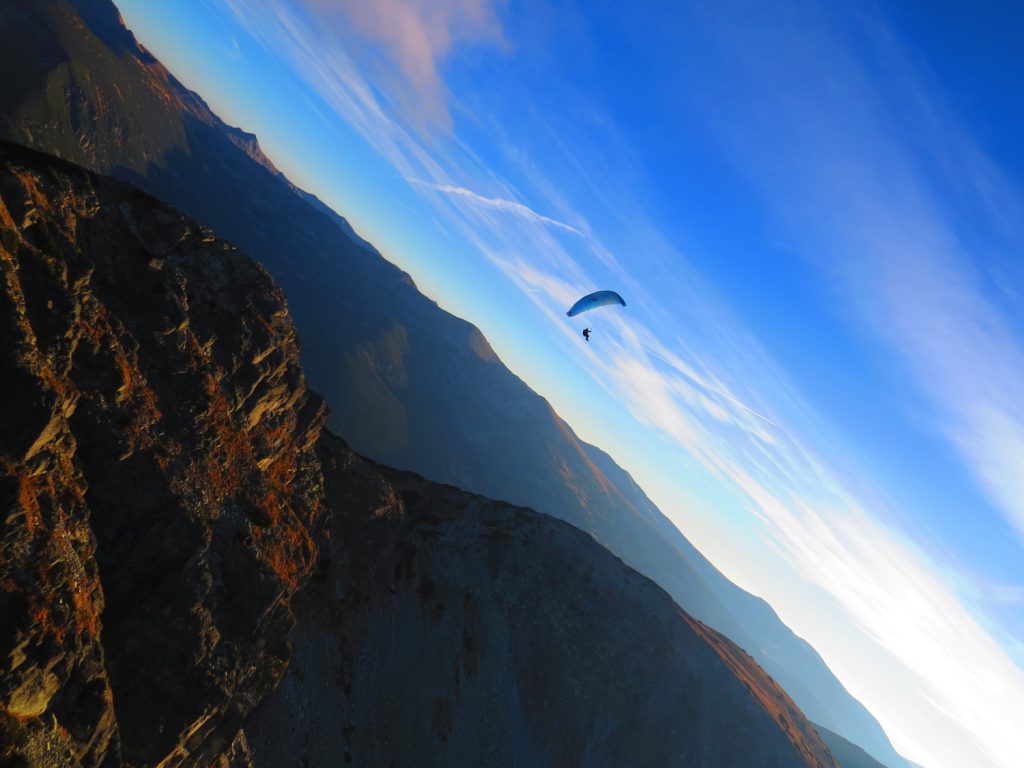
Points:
(448, 629)
(408, 384)
(168, 492)
(159, 477)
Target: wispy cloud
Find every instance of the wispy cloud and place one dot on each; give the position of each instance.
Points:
(893, 245)
(899, 171)
(234, 50)
(310, 50)
(1005, 593)
(497, 203)
(415, 36)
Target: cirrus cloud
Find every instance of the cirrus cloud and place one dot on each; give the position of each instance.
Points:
(414, 36)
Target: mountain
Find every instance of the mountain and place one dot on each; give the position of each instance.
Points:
(497, 636)
(408, 383)
(194, 572)
(846, 754)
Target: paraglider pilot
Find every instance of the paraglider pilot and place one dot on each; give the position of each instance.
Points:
(586, 334)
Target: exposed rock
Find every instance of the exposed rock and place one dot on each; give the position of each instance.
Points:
(447, 629)
(158, 472)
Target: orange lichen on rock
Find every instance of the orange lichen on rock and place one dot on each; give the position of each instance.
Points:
(28, 501)
(42, 622)
(93, 325)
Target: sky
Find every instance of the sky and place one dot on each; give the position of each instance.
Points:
(813, 210)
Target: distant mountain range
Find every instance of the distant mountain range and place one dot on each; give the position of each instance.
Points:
(407, 383)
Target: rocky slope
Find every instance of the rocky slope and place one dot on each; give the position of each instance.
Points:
(159, 477)
(408, 384)
(168, 489)
(486, 634)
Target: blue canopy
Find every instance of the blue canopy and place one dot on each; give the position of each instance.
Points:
(595, 300)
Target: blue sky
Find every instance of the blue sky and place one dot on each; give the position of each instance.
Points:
(813, 210)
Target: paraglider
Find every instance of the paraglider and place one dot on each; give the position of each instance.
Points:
(595, 300)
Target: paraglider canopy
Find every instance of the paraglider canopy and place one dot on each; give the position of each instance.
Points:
(595, 300)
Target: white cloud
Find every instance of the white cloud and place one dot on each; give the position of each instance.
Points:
(234, 51)
(509, 206)
(921, 293)
(893, 246)
(415, 35)
(906, 187)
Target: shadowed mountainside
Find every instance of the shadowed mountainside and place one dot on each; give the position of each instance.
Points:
(168, 490)
(846, 754)
(409, 384)
(509, 615)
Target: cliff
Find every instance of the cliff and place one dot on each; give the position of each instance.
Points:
(159, 477)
